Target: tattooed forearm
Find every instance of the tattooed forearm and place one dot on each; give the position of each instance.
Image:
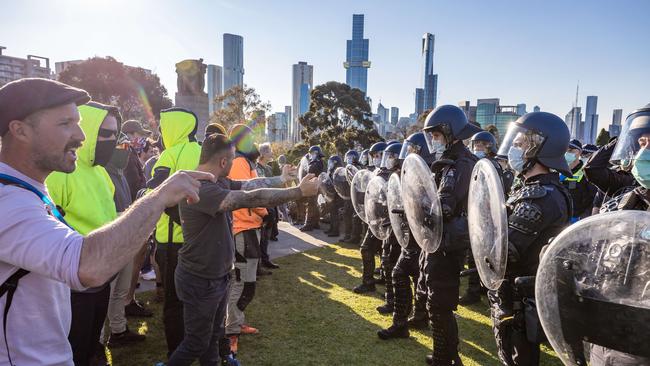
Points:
(265, 197)
(263, 182)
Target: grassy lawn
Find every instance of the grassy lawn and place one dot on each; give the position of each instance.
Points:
(308, 316)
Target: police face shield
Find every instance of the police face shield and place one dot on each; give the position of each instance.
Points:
(349, 159)
(436, 142)
(480, 148)
(375, 159)
(363, 160)
(593, 286)
(331, 165)
(628, 144)
(389, 160)
(303, 167)
(408, 148)
(520, 144)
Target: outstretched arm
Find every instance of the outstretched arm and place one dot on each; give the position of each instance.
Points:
(288, 174)
(263, 197)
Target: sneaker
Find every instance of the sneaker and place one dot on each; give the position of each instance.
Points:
(247, 329)
(234, 343)
(148, 276)
(364, 288)
(385, 309)
(394, 331)
(136, 309)
(125, 338)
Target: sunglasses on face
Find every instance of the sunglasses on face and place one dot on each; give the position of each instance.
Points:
(106, 133)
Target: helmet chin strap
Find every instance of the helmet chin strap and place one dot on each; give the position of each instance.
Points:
(528, 165)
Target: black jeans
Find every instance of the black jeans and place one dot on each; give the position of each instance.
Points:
(204, 313)
(167, 258)
(267, 233)
(88, 315)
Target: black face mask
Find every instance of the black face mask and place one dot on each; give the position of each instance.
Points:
(104, 151)
(120, 159)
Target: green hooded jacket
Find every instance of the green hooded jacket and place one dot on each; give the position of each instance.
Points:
(85, 195)
(178, 130)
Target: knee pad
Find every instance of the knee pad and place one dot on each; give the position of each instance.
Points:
(246, 296)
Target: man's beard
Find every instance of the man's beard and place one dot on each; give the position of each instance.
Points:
(47, 160)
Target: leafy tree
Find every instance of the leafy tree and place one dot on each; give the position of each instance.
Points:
(338, 120)
(241, 105)
(136, 91)
(603, 137)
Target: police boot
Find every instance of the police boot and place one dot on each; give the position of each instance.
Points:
(365, 288)
(445, 339)
(394, 331)
(385, 309)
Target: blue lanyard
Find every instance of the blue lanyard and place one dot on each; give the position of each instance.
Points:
(21, 183)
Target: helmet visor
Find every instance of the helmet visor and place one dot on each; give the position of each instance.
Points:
(388, 160)
(523, 138)
(408, 148)
(635, 130)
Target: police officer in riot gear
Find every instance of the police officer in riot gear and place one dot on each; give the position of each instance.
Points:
(334, 162)
(315, 167)
(535, 145)
(390, 249)
(370, 246)
(407, 266)
(632, 153)
(483, 145)
(445, 129)
(352, 225)
(582, 192)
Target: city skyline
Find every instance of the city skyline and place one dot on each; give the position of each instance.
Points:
(469, 68)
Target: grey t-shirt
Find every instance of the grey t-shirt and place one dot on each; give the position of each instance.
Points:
(209, 248)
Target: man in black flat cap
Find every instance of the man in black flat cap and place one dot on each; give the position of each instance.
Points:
(41, 257)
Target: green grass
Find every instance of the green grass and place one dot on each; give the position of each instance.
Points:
(308, 316)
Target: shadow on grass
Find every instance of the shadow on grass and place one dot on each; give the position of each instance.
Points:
(307, 315)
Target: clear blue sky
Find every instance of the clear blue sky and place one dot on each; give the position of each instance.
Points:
(531, 52)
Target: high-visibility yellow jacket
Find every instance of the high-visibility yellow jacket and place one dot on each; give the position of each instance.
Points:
(178, 130)
(85, 195)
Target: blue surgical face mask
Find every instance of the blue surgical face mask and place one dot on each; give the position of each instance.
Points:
(516, 159)
(480, 154)
(438, 148)
(641, 168)
(570, 157)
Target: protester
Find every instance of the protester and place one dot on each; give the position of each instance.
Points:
(205, 266)
(270, 224)
(86, 198)
(42, 256)
(178, 128)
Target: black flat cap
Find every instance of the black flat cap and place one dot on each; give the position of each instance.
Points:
(20, 98)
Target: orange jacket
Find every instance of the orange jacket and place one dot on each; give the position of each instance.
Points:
(245, 218)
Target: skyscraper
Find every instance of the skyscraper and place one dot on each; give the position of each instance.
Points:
(521, 109)
(233, 61)
(215, 85)
(419, 101)
(394, 115)
(430, 79)
(572, 120)
(382, 112)
(486, 111)
(591, 120)
(356, 61)
(615, 127)
(302, 83)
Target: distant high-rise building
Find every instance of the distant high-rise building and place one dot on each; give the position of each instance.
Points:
(14, 68)
(615, 127)
(617, 117)
(233, 61)
(277, 127)
(382, 112)
(302, 83)
(590, 131)
(536, 108)
(394, 115)
(215, 85)
(356, 60)
(486, 110)
(521, 109)
(573, 120)
(419, 101)
(430, 82)
(503, 117)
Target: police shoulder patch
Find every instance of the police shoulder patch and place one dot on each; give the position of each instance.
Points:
(526, 217)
